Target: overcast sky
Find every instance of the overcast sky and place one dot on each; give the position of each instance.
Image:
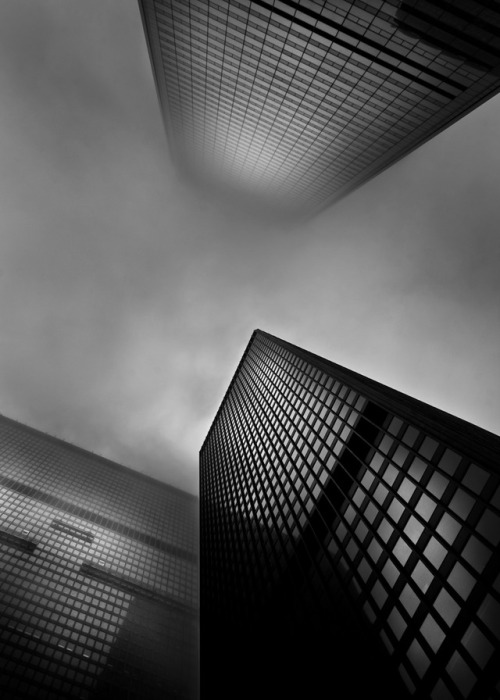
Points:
(127, 295)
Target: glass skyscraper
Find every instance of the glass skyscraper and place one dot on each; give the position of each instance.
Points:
(304, 101)
(98, 576)
(349, 538)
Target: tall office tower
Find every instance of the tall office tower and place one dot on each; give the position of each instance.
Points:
(304, 101)
(98, 576)
(349, 539)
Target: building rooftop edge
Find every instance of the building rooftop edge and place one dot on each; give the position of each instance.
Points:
(100, 458)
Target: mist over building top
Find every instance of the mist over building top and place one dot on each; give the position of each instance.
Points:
(302, 102)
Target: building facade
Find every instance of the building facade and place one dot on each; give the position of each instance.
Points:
(349, 538)
(98, 576)
(303, 101)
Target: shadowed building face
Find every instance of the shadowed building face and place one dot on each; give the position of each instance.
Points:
(349, 536)
(300, 102)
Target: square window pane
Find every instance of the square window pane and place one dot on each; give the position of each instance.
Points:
(489, 613)
(401, 551)
(461, 503)
(489, 527)
(395, 425)
(461, 580)
(448, 528)
(390, 474)
(385, 530)
(428, 448)
(410, 435)
(432, 633)
(475, 478)
(441, 692)
(379, 594)
(425, 506)
(390, 573)
(437, 484)
(417, 469)
(422, 576)
(409, 599)
(396, 623)
(477, 645)
(380, 493)
(435, 552)
(396, 510)
(400, 455)
(374, 550)
(447, 607)
(449, 461)
(418, 658)
(476, 553)
(461, 674)
(406, 489)
(406, 678)
(413, 529)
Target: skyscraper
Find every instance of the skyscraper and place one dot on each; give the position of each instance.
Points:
(349, 538)
(304, 101)
(98, 576)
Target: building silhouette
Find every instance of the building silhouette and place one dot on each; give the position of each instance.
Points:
(349, 538)
(98, 576)
(301, 102)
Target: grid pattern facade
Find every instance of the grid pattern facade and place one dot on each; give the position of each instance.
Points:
(321, 489)
(304, 101)
(98, 576)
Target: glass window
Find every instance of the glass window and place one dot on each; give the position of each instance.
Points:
(401, 551)
(417, 468)
(449, 461)
(413, 529)
(447, 607)
(406, 489)
(400, 455)
(396, 510)
(461, 580)
(425, 506)
(409, 599)
(395, 426)
(374, 550)
(364, 570)
(461, 503)
(422, 576)
(448, 528)
(385, 530)
(475, 478)
(410, 435)
(489, 526)
(390, 573)
(461, 673)
(390, 474)
(406, 678)
(477, 645)
(476, 553)
(435, 552)
(427, 448)
(367, 479)
(441, 692)
(397, 623)
(380, 493)
(437, 484)
(489, 613)
(432, 633)
(418, 658)
(379, 594)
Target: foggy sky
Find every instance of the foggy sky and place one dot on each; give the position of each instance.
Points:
(128, 294)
